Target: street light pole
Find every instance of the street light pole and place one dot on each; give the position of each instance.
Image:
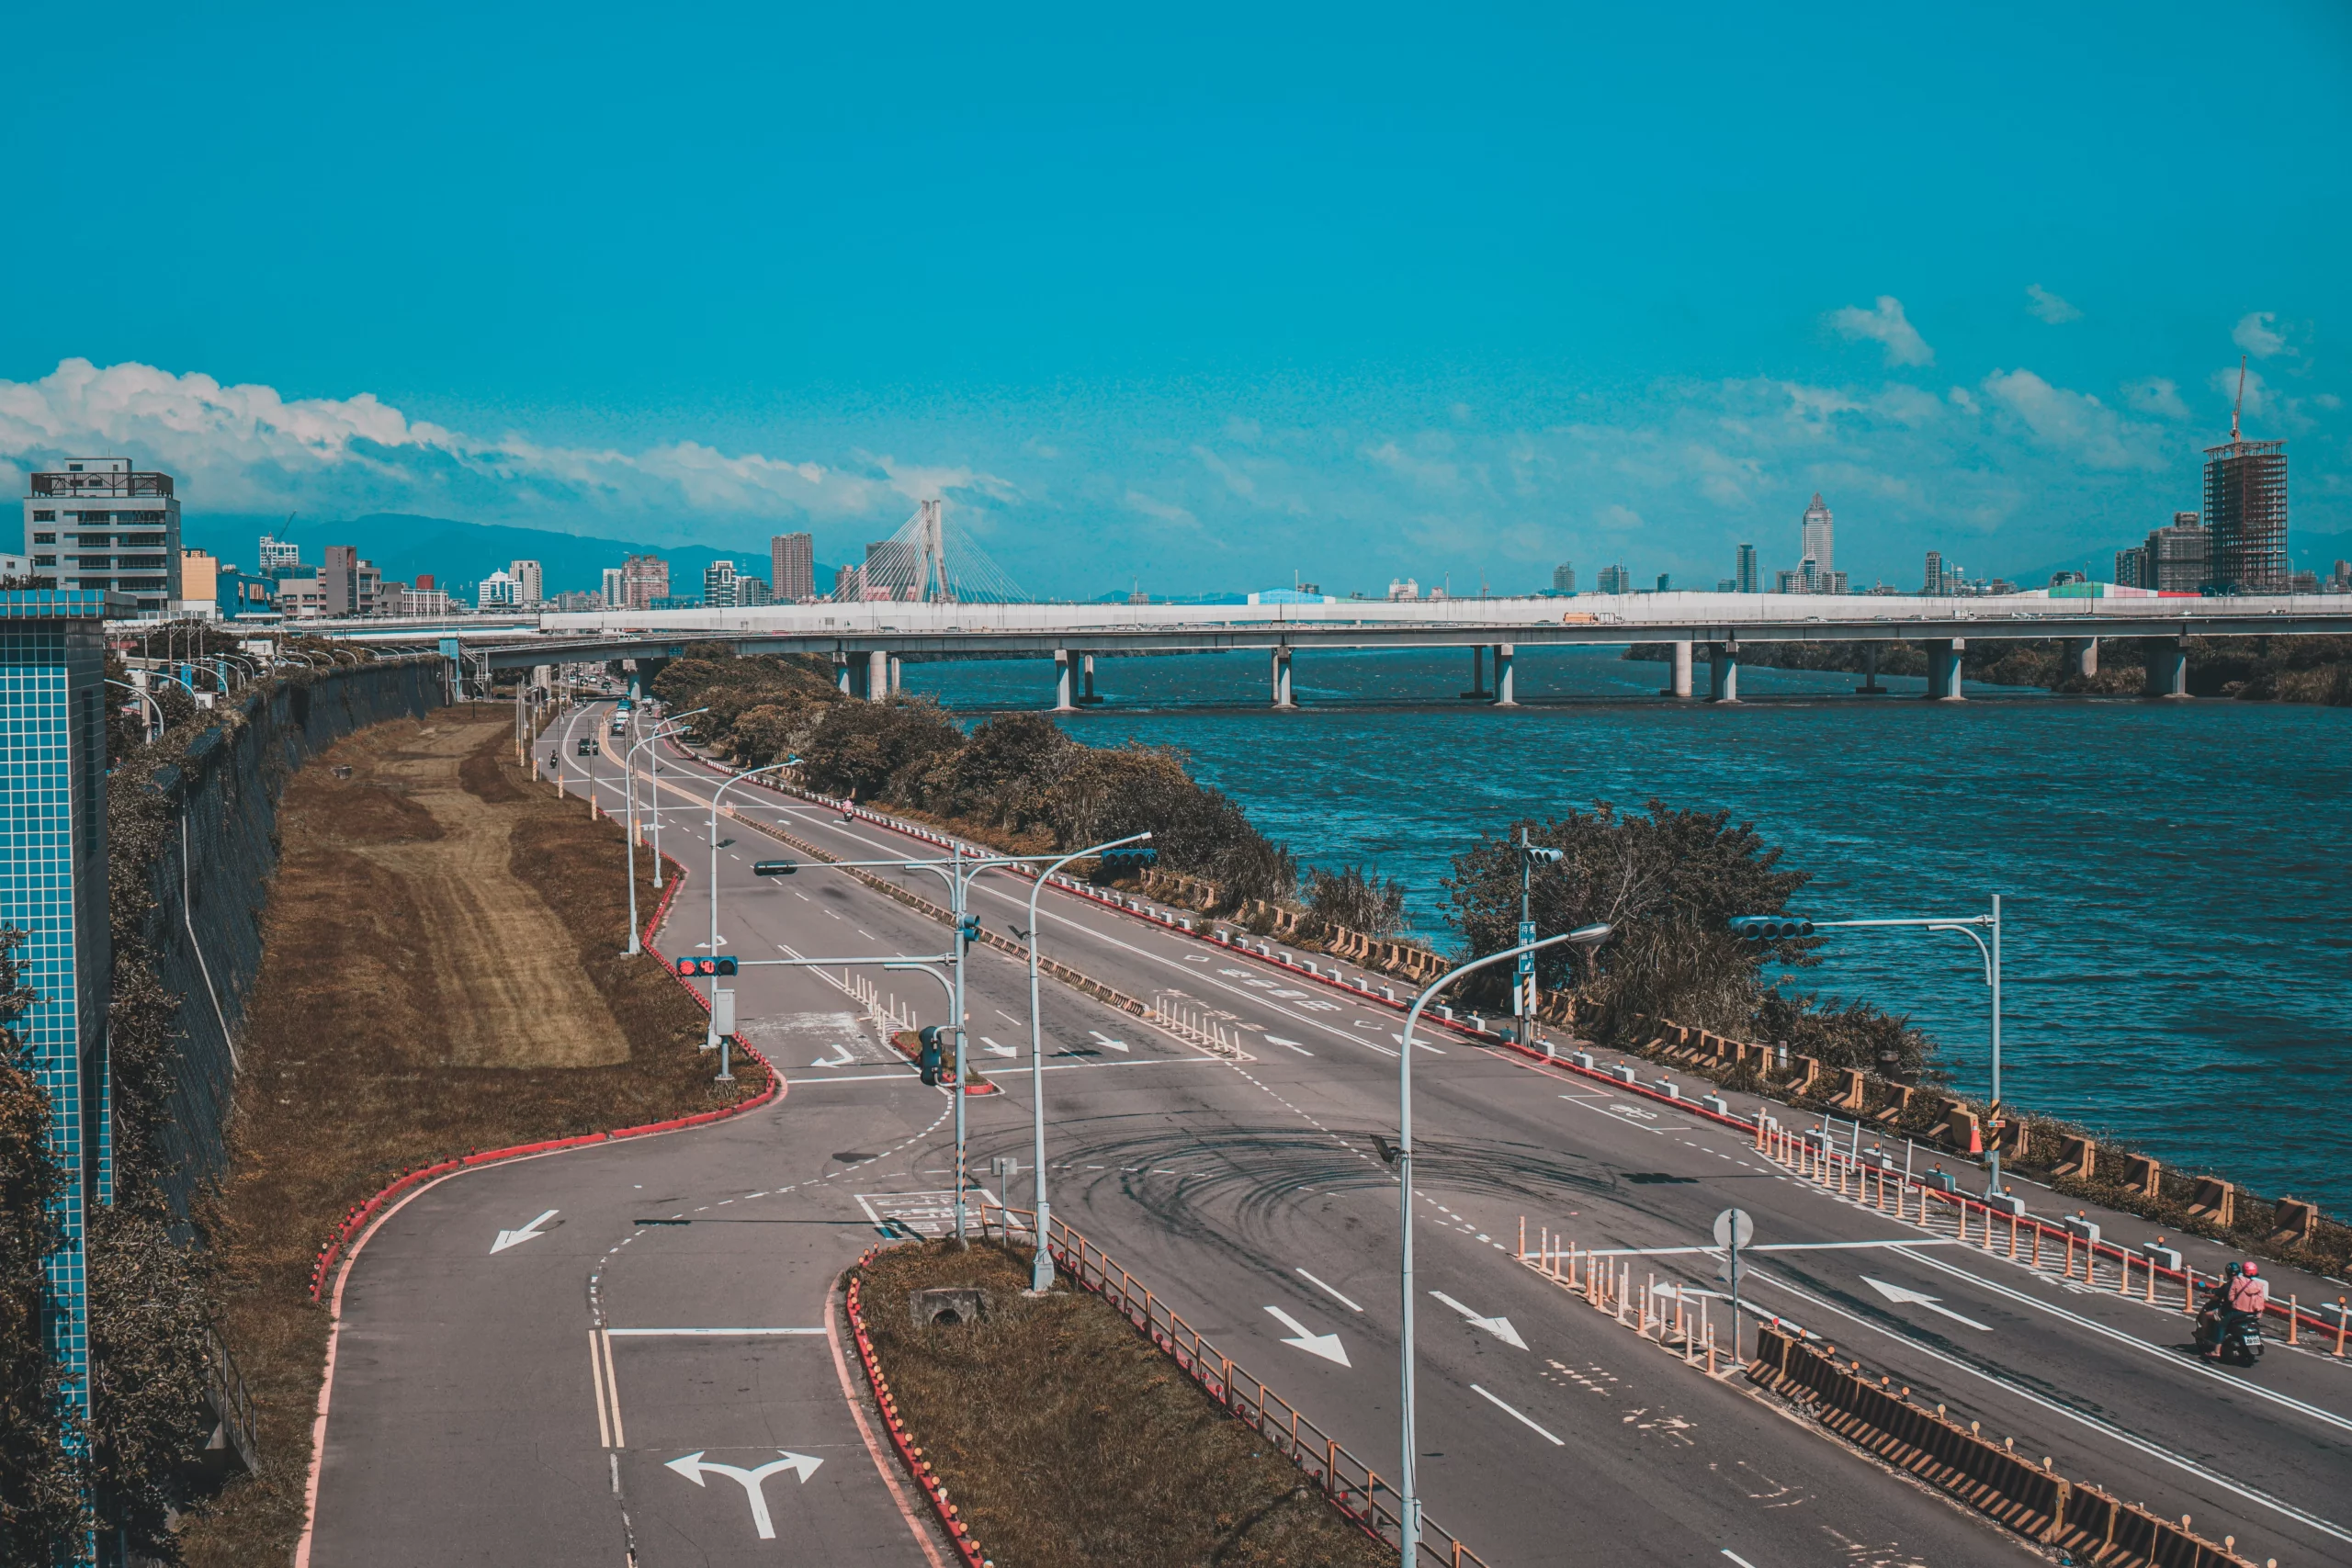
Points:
(711, 1029)
(628, 771)
(1408, 1493)
(1041, 1270)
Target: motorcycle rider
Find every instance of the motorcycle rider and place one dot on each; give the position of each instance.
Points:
(2242, 1295)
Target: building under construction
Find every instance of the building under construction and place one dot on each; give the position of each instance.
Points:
(2246, 513)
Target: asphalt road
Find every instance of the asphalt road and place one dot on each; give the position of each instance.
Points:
(1250, 1194)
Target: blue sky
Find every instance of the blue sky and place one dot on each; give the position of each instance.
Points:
(1202, 298)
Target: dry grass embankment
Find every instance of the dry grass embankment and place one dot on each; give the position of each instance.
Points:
(441, 972)
(1068, 1440)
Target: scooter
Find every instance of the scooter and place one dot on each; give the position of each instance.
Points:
(2241, 1337)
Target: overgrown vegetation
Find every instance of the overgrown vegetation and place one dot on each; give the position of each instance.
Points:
(2315, 669)
(1068, 1440)
(1668, 884)
(1016, 779)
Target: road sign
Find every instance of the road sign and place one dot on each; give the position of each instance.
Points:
(1734, 1229)
(1526, 960)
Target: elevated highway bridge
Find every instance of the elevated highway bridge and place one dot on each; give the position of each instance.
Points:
(863, 640)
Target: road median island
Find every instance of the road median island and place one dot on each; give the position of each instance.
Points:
(414, 1009)
(1056, 1435)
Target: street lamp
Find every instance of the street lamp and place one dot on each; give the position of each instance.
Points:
(1409, 1500)
(146, 697)
(711, 1030)
(1766, 927)
(629, 769)
(1522, 997)
(1040, 1272)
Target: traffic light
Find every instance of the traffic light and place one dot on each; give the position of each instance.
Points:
(1770, 927)
(1119, 861)
(969, 928)
(692, 968)
(774, 868)
(1537, 855)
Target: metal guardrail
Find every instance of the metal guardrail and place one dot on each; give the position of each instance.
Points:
(1351, 1486)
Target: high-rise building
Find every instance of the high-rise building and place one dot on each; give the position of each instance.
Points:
(615, 594)
(497, 592)
(1615, 580)
(792, 567)
(339, 580)
(1564, 578)
(2177, 558)
(750, 592)
(644, 580)
(2246, 514)
(1816, 541)
(131, 547)
(1933, 587)
(278, 554)
(1750, 580)
(847, 582)
(719, 585)
(1666, 582)
(2130, 567)
(530, 583)
(199, 584)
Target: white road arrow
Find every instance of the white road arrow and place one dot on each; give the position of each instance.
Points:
(1103, 1039)
(528, 1233)
(693, 1466)
(995, 1049)
(1324, 1344)
(1898, 1293)
(843, 1060)
(1278, 1039)
(1499, 1326)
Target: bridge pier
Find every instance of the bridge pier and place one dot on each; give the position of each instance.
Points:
(877, 676)
(2082, 657)
(1062, 666)
(1943, 670)
(1680, 686)
(2168, 668)
(1505, 657)
(841, 673)
(1870, 686)
(1477, 691)
(1723, 672)
(1088, 698)
(1282, 679)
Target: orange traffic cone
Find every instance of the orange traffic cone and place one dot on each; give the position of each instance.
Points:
(1976, 1138)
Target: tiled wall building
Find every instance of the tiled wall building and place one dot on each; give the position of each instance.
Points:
(53, 887)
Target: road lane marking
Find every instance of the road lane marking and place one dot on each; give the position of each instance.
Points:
(1499, 1326)
(707, 1332)
(1736, 1557)
(530, 1231)
(1769, 1246)
(2104, 1428)
(613, 1391)
(1327, 1289)
(1278, 1039)
(597, 1373)
(1898, 1295)
(1517, 1416)
(1327, 1346)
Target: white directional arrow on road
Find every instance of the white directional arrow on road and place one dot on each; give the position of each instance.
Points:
(842, 1058)
(528, 1233)
(1898, 1293)
(1103, 1039)
(1278, 1039)
(1499, 1326)
(692, 1467)
(1327, 1346)
(995, 1049)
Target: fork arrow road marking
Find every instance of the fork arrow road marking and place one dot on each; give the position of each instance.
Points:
(1499, 1326)
(1327, 1346)
(528, 1233)
(693, 1466)
(1898, 1294)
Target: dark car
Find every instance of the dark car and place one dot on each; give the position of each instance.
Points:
(587, 745)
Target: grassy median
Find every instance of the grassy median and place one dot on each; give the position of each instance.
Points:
(1068, 1440)
(441, 972)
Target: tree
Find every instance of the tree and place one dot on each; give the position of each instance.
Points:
(861, 748)
(1667, 884)
(1355, 897)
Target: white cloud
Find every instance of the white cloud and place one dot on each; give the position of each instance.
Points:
(246, 447)
(2263, 400)
(2048, 307)
(1392, 456)
(1236, 481)
(1617, 518)
(2255, 333)
(1166, 512)
(2156, 395)
(2073, 423)
(1887, 326)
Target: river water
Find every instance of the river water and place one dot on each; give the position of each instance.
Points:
(2177, 963)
